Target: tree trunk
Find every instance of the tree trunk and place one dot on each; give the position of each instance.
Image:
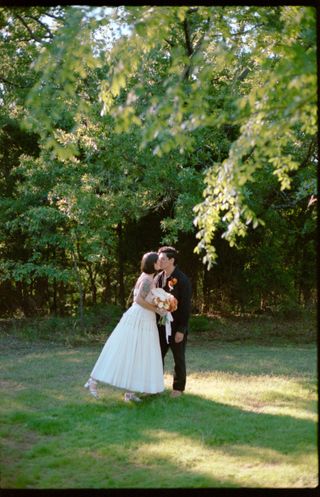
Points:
(206, 291)
(26, 301)
(54, 308)
(80, 287)
(121, 266)
(92, 284)
(61, 299)
(106, 283)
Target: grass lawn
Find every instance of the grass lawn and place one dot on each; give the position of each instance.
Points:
(248, 419)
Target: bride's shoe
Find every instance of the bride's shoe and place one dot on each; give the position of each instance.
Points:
(131, 396)
(91, 385)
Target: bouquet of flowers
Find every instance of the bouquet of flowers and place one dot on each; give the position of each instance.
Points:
(164, 300)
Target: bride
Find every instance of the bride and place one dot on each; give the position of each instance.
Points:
(131, 357)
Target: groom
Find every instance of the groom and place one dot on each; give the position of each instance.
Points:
(174, 281)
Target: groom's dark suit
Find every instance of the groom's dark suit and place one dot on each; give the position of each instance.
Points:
(182, 292)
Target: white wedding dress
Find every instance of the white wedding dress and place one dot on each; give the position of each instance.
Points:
(131, 358)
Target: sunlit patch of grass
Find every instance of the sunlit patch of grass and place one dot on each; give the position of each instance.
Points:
(265, 394)
(233, 465)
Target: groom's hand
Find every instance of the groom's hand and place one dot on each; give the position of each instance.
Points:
(178, 337)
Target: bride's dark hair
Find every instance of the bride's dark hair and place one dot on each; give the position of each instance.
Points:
(148, 261)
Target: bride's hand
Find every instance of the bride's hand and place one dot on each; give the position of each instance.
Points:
(161, 312)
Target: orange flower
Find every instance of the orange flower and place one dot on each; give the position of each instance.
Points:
(172, 282)
(173, 304)
(164, 300)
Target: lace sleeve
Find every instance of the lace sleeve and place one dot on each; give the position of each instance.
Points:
(144, 288)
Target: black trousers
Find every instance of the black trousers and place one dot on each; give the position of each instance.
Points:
(178, 351)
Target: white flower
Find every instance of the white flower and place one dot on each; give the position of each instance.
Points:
(159, 292)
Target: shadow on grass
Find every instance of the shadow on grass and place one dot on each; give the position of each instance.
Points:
(200, 419)
(77, 442)
(132, 438)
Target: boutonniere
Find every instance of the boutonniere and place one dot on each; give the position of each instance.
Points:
(172, 283)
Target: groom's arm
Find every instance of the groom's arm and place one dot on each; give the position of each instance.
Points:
(184, 305)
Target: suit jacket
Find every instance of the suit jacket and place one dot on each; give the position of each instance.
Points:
(182, 292)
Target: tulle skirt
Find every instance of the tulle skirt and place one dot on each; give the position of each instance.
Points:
(131, 358)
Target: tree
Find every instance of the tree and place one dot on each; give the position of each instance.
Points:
(279, 95)
(190, 97)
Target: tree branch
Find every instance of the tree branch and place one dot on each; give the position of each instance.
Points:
(169, 42)
(186, 72)
(41, 24)
(192, 51)
(244, 73)
(243, 32)
(187, 37)
(33, 37)
(311, 148)
(54, 17)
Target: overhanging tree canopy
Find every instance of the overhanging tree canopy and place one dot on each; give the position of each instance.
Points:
(193, 114)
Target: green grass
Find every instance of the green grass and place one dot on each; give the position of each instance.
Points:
(248, 419)
(265, 329)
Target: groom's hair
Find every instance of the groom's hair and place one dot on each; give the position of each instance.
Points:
(170, 252)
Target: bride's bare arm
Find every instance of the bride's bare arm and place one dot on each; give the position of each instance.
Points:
(140, 299)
